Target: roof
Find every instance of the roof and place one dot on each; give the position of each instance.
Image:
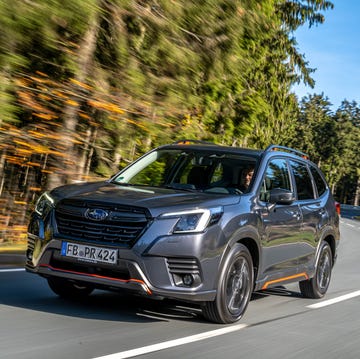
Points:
(212, 147)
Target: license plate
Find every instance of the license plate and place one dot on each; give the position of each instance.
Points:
(89, 253)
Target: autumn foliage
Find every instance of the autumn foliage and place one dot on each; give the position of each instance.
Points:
(88, 86)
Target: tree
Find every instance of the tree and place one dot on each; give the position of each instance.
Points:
(89, 86)
(348, 118)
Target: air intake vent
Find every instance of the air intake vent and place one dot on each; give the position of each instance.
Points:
(183, 265)
(184, 271)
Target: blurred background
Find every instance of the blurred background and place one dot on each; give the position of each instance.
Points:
(88, 86)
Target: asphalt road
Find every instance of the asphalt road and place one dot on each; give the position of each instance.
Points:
(34, 323)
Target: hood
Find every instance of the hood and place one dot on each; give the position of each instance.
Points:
(156, 200)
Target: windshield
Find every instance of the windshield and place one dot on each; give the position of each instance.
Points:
(191, 170)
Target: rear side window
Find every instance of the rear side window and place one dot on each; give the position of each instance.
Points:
(276, 176)
(303, 181)
(319, 181)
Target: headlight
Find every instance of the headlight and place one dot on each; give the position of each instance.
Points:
(195, 220)
(44, 204)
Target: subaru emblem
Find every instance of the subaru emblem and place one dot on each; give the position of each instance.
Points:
(96, 214)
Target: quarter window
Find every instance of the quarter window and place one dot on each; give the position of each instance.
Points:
(319, 181)
(303, 181)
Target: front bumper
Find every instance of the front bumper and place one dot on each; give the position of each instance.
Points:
(147, 274)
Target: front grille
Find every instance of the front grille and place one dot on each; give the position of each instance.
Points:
(183, 265)
(123, 225)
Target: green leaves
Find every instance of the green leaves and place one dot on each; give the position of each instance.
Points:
(296, 13)
(94, 84)
(332, 141)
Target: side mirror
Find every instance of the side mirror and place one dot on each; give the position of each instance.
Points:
(281, 196)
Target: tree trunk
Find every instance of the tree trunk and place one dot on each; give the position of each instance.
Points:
(2, 172)
(85, 57)
(84, 155)
(357, 193)
(90, 153)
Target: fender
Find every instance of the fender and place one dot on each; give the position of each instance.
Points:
(328, 232)
(242, 235)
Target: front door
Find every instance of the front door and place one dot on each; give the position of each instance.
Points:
(281, 225)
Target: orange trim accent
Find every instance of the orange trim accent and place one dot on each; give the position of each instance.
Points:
(134, 280)
(283, 279)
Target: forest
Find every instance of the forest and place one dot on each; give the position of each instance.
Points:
(89, 86)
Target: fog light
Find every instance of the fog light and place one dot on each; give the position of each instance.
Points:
(188, 280)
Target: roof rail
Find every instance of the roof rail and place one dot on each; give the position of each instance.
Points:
(286, 149)
(188, 142)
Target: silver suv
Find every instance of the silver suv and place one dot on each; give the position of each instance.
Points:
(191, 221)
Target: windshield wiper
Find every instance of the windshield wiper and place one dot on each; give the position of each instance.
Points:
(182, 187)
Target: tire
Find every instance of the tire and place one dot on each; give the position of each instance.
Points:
(234, 288)
(67, 289)
(317, 286)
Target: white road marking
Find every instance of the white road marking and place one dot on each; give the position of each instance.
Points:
(334, 300)
(173, 343)
(12, 270)
(197, 337)
(206, 335)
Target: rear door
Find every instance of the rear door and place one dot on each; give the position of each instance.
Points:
(313, 211)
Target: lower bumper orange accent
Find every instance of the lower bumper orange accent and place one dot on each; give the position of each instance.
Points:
(284, 279)
(131, 280)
